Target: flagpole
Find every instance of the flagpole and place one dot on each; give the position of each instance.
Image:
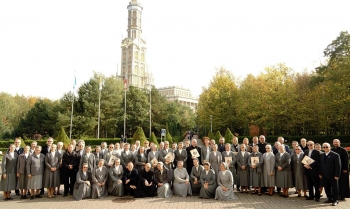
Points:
(99, 109)
(71, 115)
(125, 85)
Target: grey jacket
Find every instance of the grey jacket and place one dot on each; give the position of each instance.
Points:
(35, 164)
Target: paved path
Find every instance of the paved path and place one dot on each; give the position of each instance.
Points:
(175, 202)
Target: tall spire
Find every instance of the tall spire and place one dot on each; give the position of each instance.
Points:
(134, 19)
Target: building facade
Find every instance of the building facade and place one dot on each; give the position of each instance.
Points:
(181, 95)
(133, 62)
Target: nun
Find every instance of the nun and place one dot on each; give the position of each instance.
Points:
(8, 177)
(208, 182)
(161, 179)
(35, 171)
(195, 176)
(52, 173)
(82, 186)
(225, 181)
(115, 182)
(99, 181)
(182, 186)
(22, 183)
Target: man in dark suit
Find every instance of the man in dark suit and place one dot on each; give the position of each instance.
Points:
(344, 176)
(330, 169)
(130, 178)
(70, 168)
(312, 172)
(286, 147)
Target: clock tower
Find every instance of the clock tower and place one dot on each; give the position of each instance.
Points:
(133, 62)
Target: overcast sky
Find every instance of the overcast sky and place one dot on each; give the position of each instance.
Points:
(42, 43)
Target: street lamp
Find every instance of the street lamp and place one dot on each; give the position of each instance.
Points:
(211, 123)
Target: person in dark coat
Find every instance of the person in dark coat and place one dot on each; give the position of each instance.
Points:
(130, 180)
(312, 172)
(189, 155)
(344, 176)
(22, 183)
(330, 170)
(146, 184)
(221, 145)
(19, 151)
(70, 169)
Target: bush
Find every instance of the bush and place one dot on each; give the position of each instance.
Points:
(228, 135)
(211, 135)
(153, 139)
(217, 137)
(168, 136)
(139, 135)
(62, 137)
(178, 139)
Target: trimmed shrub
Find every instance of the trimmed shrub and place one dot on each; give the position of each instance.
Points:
(168, 136)
(211, 135)
(228, 135)
(217, 137)
(153, 139)
(62, 137)
(139, 135)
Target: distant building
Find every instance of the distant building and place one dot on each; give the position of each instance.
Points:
(180, 94)
(133, 62)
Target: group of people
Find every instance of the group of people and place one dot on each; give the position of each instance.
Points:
(210, 171)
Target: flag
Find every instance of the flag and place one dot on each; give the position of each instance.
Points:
(100, 84)
(75, 82)
(125, 83)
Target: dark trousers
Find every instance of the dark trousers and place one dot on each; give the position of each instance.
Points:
(313, 182)
(128, 190)
(331, 188)
(69, 180)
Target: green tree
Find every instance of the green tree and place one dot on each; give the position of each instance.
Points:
(218, 100)
(153, 139)
(62, 137)
(217, 137)
(139, 135)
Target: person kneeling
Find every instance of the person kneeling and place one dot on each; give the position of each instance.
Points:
(130, 179)
(147, 186)
(115, 183)
(162, 178)
(182, 186)
(99, 179)
(82, 186)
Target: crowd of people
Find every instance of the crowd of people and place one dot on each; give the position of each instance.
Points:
(210, 171)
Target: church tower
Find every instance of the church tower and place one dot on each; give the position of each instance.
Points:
(133, 64)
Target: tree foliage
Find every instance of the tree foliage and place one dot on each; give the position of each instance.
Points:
(139, 135)
(228, 135)
(217, 137)
(153, 139)
(62, 137)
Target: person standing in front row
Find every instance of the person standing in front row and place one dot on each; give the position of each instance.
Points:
(330, 169)
(312, 172)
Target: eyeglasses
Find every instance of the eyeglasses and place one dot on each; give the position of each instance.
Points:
(297, 149)
(85, 167)
(309, 144)
(111, 147)
(267, 148)
(325, 147)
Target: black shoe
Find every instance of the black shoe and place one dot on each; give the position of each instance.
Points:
(6, 199)
(341, 198)
(32, 197)
(38, 196)
(328, 201)
(22, 197)
(317, 200)
(65, 195)
(18, 194)
(309, 198)
(25, 197)
(335, 203)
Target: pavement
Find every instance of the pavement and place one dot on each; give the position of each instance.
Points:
(174, 202)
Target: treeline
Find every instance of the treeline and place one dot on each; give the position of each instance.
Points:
(280, 101)
(34, 118)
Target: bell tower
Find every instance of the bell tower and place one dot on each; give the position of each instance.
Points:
(133, 64)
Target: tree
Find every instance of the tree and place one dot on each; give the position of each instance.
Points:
(153, 139)
(168, 136)
(218, 100)
(211, 135)
(139, 135)
(217, 137)
(62, 137)
(23, 145)
(228, 135)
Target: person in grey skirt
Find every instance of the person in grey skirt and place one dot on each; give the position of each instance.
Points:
(8, 177)
(242, 158)
(140, 159)
(283, 171)
(227, 156)
(35, 170)
(208, 182)
(256, 179)
(298, 171)
(225, 181)
(161, 179)
(115, 182)
(215, 158)
(182, 186)
(22, 183)
(82, 186)
(52, 171)
(195, 176)
(99, 181)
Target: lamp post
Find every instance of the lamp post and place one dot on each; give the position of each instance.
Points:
(211, 123)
